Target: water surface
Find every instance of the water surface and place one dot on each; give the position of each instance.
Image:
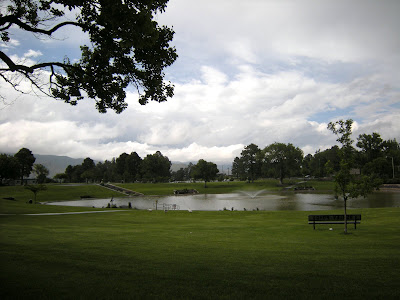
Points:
(259, 200)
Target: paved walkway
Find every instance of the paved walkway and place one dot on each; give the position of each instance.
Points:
(66, 213)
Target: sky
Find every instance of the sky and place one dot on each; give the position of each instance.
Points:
(255, 71)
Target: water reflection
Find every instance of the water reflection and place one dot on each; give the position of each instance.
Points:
(241, 201)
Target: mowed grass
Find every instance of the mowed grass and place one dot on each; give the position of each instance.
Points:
(221, 187)
(201, 255)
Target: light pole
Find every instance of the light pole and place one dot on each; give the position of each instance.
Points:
(392, 164)
(393, 167)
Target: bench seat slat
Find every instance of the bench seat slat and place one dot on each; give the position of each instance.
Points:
(333, 219)
(333, 222)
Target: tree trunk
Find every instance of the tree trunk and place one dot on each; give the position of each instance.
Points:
(345, 214)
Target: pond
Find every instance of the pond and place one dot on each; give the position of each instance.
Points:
(260, 200)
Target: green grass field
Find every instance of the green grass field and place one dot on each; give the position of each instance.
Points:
(220, 187)
(136, 254)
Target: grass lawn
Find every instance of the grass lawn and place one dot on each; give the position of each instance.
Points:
(200, 255)
(220, 187)
(57, 192)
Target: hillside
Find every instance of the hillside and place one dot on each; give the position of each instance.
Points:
(56, 164)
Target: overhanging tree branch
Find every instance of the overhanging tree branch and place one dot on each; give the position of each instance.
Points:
(12, 19)
(17, 67)
(127, 48)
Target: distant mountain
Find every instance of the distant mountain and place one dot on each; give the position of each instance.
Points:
(56, 164)
(176, 166)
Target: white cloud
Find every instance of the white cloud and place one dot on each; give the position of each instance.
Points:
(248, 72)
(12, 43)
(32, 53)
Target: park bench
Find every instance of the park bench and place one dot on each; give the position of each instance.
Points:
(334, 219)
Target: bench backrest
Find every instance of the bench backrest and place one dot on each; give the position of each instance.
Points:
(333, 217)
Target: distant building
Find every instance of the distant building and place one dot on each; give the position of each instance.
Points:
(355, 171)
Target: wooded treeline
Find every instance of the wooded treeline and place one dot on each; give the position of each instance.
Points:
(374, 157)
(125, 168)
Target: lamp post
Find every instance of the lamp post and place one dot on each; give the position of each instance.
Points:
(392, 164)
(393, 167)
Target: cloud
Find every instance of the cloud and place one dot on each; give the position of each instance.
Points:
(12, 43)
(32, 53)
(248, 72)
(348, 31)
(213, 118)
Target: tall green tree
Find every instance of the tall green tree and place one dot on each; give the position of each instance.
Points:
(391, 151)
(127, 47)
(41, 173)
(122, 166)
(238, 168)
(156, 167)
(8, 167)
(282, 160)
(205, 170)
(250, 157)
(346, 183)
(69, 170)
(134, 164)
(25, 160)
(371, 146)
(320, 159)
(87, 170)
(128, 166)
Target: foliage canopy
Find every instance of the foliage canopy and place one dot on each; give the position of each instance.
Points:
(126, 47)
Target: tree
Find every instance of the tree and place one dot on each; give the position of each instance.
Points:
(371, 146)
(127, 47)
(35, 189)
(69, 170)
(8, 167)
(251, 161)
(378, 168)
(41, 172)
(107, 171)
(183, 174)
(25, 160)
(178, 175)
(128, 166)
(156, 167)
(121, 166)
(391, 150)
(87, 169)
(345, 182)
(134, 163)
(88, 164)
(238, 169)
(320, 159)
(282, 159)
(60, 177)
(205, 170)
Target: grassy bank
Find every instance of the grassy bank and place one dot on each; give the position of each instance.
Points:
(199, 255)
(221, 187)
(57, 192)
